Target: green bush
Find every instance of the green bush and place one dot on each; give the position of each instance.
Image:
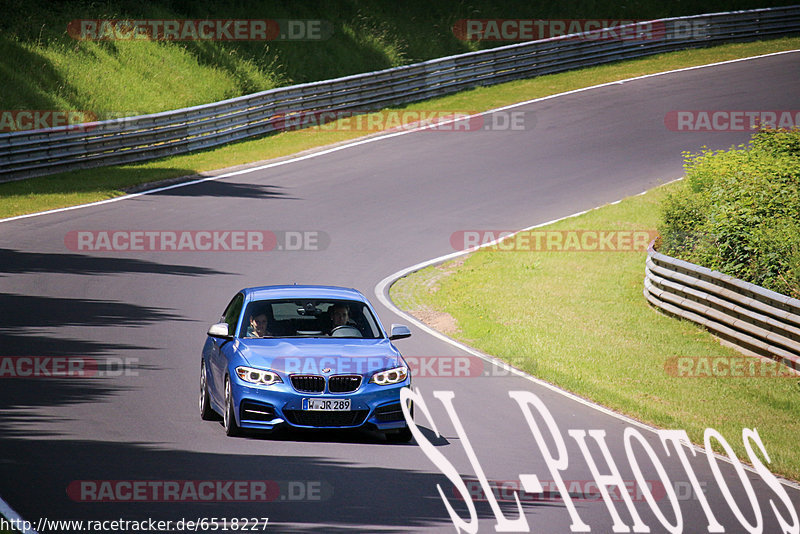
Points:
(738, 211)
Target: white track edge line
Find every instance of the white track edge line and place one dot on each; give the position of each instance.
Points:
(382, 137)
(3, 504)
(9, 513)
(382, 293)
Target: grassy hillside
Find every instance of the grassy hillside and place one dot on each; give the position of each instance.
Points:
(43, 68)
(90, 185)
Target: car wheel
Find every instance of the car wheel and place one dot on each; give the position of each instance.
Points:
(206, 412)
(229, 418)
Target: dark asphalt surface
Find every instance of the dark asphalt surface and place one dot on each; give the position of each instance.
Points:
(384, 205)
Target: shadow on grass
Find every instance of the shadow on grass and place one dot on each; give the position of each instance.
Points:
(29, 80)
(102, 180)
(108, 182)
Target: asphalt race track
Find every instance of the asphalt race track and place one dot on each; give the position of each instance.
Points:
(376, 208)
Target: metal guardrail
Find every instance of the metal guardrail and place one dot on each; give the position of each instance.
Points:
(26, 154)
(744, 314)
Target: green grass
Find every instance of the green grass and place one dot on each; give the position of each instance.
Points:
(67, 189)
(579, 320)
(44, 68)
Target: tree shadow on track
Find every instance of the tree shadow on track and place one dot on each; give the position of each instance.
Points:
(20, 397)
(28, 358)
(225, 189)
(39, 345)
(306, 494)
(337, 436)
(18, 312)
(17, 262)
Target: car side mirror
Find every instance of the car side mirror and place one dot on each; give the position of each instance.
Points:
(219, 330)
(399, 331)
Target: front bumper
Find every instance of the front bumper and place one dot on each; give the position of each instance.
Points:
(280, 405)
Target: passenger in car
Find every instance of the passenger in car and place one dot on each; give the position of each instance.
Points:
(258, 326)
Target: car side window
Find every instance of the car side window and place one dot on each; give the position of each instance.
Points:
(367, 323)
(232, 312)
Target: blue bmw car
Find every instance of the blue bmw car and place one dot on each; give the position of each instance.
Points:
(303, 356)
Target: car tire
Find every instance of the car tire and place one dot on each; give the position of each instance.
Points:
(206, 412)
(229, 418)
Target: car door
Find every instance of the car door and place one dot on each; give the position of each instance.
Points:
(220, 348)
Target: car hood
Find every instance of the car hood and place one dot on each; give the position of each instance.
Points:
(320, 356)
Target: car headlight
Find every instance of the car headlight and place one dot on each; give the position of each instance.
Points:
(390, 376)
(262, 377)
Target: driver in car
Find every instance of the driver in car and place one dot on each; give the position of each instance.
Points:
(340, 316)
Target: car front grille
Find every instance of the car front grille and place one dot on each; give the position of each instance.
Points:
(308, 383)
(320, 419)
(344, 383)
(316, 383)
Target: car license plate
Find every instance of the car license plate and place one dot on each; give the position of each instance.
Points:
(327, 405)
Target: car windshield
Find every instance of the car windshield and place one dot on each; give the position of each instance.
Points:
(308, 318)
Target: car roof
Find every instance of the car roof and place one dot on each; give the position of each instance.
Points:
(303, 292)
